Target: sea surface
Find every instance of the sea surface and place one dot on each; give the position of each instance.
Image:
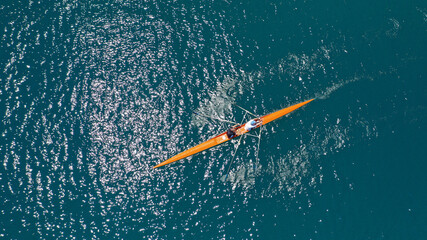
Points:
(93, 94)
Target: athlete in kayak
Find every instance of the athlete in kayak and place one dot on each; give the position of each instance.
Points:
(238, 130)
(252, 124)
(231, 132)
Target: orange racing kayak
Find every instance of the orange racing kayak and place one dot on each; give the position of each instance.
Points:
(240, 130)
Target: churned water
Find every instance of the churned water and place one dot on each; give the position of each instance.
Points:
(95, 93)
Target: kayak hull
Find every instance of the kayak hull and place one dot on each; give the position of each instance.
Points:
(273, 116)
(240, 130)
(222, 138)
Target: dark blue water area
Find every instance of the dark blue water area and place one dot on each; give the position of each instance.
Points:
(93, 94)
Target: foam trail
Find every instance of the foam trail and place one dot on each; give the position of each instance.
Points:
(329, 90)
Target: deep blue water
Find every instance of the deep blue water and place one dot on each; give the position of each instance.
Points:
(95, 93)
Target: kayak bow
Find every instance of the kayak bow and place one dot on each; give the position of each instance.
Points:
(222, 138)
